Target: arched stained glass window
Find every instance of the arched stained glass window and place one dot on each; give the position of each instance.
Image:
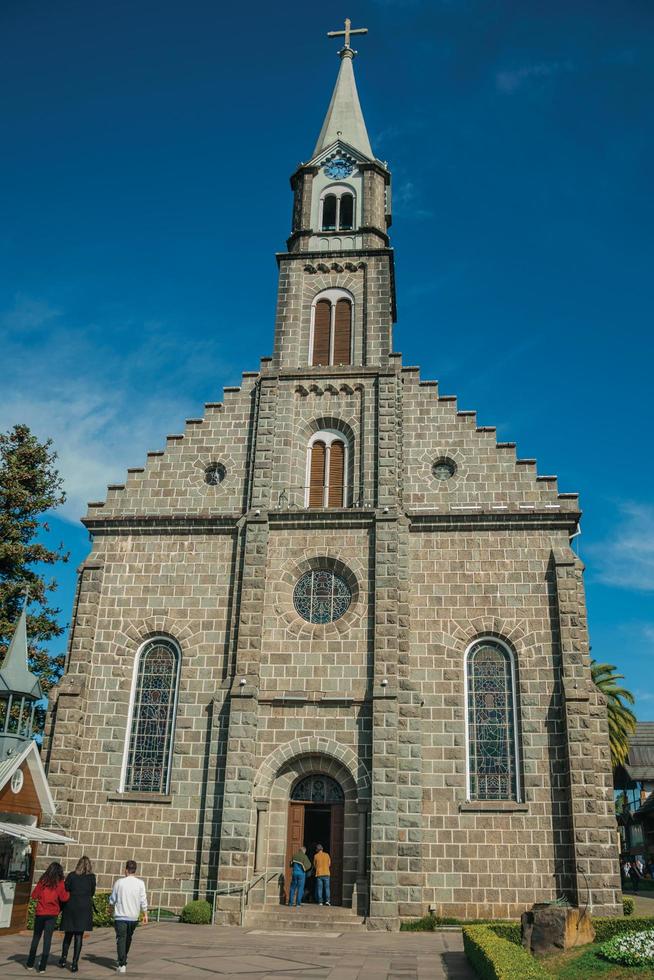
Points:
(150, 736)
(492, 743)
(317, 789)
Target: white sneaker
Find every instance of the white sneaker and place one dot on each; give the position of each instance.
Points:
(121, 969)
(328, 903)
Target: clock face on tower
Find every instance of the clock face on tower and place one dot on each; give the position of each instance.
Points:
(338, 167)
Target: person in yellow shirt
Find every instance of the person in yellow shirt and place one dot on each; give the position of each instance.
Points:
(321, 865)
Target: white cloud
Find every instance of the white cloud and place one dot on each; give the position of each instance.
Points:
(104, 402)
(626, 557)
(510, 81)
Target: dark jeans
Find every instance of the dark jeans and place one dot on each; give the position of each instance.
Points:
(77, 938)
(44, 925)
(124, 932)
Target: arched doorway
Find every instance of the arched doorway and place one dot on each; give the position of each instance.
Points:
(316, 816)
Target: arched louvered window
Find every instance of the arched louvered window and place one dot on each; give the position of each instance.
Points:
(336, 477)
(327, 470)
(152, 718)
(322, 329)
(331, 331)
(317, 458)
(329, 206)
(342, 332)
(493, 767)
(346, 213)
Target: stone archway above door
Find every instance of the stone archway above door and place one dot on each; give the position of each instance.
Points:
(326, 750)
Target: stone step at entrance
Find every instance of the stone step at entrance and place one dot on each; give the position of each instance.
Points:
(281, 918)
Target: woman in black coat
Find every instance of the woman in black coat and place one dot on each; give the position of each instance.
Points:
(77, 916)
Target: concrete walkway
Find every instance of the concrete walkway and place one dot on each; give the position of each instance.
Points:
(175, 950)
(643, 901)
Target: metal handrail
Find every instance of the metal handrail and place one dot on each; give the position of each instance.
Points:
(287, 498)
(249, 885)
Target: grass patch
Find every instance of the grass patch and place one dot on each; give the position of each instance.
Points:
(579, 964)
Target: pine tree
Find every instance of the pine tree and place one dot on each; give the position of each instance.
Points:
(29, 486)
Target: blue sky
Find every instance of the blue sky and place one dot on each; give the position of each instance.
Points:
(146, 154)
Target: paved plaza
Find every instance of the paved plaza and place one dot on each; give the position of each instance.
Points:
(174, 950)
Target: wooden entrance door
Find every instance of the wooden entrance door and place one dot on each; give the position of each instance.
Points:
(337, 828)
(294, 839)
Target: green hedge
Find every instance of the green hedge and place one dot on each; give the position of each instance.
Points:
(495, 958)
(627, 906)
(608, 928)
(510, 931)
(101, 911)
(197, 913)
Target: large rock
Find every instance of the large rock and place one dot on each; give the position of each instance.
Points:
(550, 928)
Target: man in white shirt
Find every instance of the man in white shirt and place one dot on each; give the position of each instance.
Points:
(129, 900)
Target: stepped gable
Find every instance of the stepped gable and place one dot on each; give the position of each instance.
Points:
(173, 479)
(488, 475)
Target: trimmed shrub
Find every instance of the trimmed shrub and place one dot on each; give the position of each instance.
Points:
(495, 958)
(102, 914)
(510, 931)
(631, 949)
(102, 911)
(627, 906)
(608, 928)
(197, 913)
(428, 923)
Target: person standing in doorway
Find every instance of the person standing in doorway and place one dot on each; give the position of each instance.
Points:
(128, 899)
(77, 917)
(50, 894)
(300, 865)
(321, 865)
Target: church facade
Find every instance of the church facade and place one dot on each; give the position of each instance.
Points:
(335, 609)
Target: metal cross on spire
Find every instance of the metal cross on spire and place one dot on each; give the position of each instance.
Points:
(347, 32)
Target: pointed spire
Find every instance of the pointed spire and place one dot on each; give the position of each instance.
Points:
(15, 675)
(344, 119)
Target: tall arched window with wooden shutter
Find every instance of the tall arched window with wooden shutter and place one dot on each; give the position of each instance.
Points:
(331, 332)
(322, 332)
(327, 470)
(342, 332)
(336, 476)
(317, 471)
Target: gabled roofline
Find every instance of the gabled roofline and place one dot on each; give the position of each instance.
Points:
(30, 754)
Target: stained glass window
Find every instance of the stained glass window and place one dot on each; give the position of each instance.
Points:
(444, 469)
(317, 789)
(153, 718)
(491, 723)
(321, 596)
(214, 474)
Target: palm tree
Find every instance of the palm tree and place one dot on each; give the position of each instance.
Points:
(622, 720)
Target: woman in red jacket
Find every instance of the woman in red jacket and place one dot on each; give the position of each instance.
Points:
(50, 893)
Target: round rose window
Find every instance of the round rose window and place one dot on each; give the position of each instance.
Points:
(321, 596)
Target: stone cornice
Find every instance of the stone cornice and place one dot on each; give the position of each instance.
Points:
(347, 517)
(158, 523)
(480, 520)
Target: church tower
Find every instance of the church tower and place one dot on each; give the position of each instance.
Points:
(334, 609)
